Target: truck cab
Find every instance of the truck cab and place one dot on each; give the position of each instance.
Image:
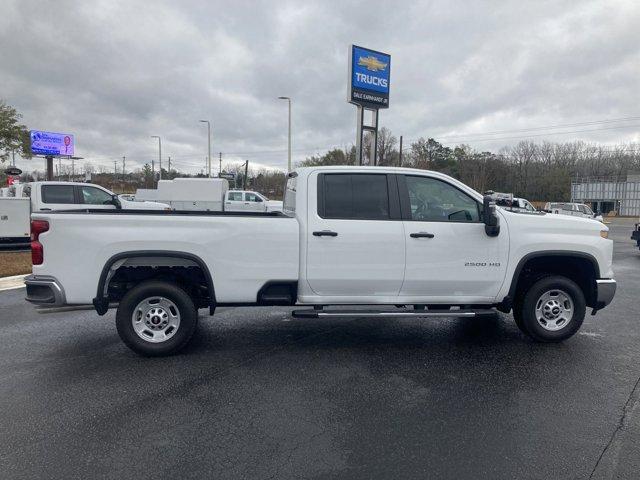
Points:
(245, 201)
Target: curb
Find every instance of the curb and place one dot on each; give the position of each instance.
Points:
(10, 283)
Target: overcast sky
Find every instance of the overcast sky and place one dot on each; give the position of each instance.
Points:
(114, 73)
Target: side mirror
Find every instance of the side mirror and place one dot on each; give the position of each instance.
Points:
(490, 217)
(116, 202)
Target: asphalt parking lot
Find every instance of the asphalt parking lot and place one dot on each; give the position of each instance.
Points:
(261, 395)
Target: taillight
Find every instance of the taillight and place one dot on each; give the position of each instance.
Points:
(37, 252)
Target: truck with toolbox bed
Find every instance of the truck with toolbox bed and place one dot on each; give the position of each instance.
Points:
(416, 241)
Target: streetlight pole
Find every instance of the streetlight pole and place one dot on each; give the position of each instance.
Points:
(208, 145)
(159, 156)
(288, 99)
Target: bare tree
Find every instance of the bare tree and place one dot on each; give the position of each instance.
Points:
(386, 147)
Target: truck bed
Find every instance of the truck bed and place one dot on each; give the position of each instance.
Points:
(242, 250)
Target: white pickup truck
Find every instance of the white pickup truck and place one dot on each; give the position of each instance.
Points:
(406, 242)
(53, 195)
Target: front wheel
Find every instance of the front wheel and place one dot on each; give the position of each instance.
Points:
(552, 309)
(156, 318)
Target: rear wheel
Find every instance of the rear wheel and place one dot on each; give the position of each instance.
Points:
(551, 310)
(156, 318)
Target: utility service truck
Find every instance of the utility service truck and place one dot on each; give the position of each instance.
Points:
(405, 242)
(207, 194)
(14, 222)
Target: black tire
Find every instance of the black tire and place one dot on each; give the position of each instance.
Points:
(525, 309)
(180, 335)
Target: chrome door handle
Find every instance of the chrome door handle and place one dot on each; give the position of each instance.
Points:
(422, 235)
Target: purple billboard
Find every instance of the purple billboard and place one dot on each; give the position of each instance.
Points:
(50, 143)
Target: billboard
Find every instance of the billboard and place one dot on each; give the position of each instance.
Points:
(50, 143)
(369, 77)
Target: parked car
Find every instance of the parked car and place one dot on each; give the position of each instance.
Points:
(207, 194)
(379, 236)
(573, 209)
(51, 195)
(508, 201)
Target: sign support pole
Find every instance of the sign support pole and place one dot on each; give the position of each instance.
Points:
(369, 157)
(49, 159)
(360, 113)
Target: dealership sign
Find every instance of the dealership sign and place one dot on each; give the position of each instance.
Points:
(369, 77)
(50, 143)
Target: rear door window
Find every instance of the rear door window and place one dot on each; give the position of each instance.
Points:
(235, 196)
(58, 194)
(355, 196)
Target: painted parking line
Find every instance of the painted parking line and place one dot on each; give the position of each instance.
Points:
(9, 283)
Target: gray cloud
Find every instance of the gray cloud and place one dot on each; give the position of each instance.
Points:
(115, 73)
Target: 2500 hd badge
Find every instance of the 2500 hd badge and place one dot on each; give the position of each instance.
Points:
(481, 264)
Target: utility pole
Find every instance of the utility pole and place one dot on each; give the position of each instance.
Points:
(73, 169)
(244, 179)
(169, 171)
(288, 99)
(159, 157)
(208, 146)
(13, 157)
(400, 158)
(123, 179)
(59, 168)
(220, 157)
(115, 173)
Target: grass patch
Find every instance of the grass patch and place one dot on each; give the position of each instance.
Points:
(14, 263)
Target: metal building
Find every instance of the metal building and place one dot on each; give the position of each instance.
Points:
(606, 195)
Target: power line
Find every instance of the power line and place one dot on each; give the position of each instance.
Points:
(542, 134)
(548, 127)
(490, 139)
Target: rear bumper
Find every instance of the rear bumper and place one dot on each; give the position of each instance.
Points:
(44, 290)
(605, 291)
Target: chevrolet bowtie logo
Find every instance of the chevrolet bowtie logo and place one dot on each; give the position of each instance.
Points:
(372, 64)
